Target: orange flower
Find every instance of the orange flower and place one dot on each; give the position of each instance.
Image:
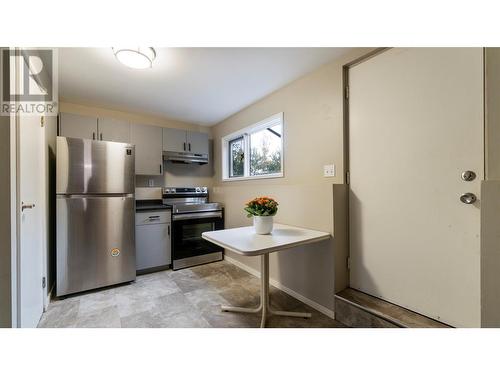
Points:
(262, 201)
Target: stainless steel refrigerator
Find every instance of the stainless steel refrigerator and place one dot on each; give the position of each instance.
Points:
(95, 214)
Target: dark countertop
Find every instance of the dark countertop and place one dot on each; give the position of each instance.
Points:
(151, 205)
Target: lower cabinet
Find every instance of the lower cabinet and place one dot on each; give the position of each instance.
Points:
(152, 240)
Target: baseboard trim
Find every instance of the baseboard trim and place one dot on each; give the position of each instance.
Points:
(322, 309)
(48, 298)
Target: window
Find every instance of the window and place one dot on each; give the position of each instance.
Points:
(254, 152)
(237, 157)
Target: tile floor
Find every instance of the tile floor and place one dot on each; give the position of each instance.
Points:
(188, 298)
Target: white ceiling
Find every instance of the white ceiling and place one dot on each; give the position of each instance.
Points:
(197, 85)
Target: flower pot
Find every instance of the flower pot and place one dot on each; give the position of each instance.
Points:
(263, 224)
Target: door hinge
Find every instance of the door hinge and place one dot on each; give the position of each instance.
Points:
(348, 263)
(44, 282)
(347, 92)
(42, 121)
(347, 178)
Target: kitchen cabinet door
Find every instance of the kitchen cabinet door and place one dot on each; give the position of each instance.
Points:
(197, 142)
(174, 140)
(77, 126)
(148, 149)
(114, 130)
(152, 246)
(152, 239)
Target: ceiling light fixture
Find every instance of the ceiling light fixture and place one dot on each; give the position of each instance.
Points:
(135, 57)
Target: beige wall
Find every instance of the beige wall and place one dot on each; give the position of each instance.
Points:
(490, 196)
(5, 224)
(313, 137)
(174, 174)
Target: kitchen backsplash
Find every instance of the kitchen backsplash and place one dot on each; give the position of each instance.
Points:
(143, 193)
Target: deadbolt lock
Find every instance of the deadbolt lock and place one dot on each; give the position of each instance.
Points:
(468, 176)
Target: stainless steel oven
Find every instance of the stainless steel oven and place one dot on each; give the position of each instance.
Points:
(191, 216)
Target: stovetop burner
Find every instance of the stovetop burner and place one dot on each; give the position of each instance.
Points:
(189, 199)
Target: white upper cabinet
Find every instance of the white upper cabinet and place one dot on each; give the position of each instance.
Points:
(90, 127)
(113, 130)
(176, 140)
(197, 143)
(148, 149)
(77, 126)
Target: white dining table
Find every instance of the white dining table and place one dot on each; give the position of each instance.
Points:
(245, 241)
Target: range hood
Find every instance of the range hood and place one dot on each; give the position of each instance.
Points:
(185, 157)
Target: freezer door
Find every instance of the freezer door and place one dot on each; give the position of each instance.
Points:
(85, 166)
(95, 242)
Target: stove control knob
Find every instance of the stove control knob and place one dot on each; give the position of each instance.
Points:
(172, 190)
(204, 189)
(198, 190)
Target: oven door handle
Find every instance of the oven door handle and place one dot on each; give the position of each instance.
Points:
(196, 215)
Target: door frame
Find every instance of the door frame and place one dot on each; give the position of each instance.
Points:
(16, 211)
(14, 219)
(346, 164)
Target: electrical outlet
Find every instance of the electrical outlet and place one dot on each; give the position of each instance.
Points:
(151, 182)
(329, 170)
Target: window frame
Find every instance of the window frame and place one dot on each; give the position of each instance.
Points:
(268, 122)
(230, 156)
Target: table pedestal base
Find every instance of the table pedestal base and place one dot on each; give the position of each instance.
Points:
(264, 306)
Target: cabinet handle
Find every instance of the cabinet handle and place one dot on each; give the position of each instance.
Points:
(189, 144)
(160, 168)
(24, 206)
(101, 136)
(184, 146)
(168, 229)
(93, 135)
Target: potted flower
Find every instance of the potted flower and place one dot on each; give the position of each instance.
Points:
(262, 209)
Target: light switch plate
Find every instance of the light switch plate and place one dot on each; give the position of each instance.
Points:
(151, 182)
(329, 170)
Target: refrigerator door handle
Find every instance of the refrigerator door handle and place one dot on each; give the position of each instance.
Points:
(109, 195)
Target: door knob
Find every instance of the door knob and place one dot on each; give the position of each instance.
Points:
(468, 198)
(25, 206)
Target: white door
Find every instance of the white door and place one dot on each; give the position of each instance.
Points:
(415, 124)
(31, 187)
